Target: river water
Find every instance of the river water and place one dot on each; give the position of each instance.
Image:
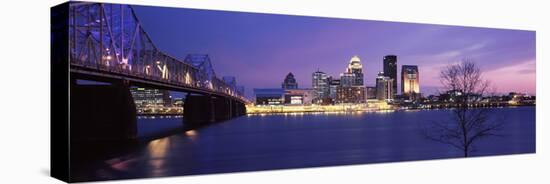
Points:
(279, 141)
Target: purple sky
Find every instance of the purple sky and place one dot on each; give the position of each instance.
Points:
(260, 49)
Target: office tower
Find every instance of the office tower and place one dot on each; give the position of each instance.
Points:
(410, 84)
(351, 89)
(390, 70)
(333, 85)
(320, 84)
(355, 68)
(384, 86)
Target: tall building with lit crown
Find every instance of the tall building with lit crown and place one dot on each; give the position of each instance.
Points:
(355, 68)
(351, 89)
(289, 82)
(390, 70)
(410, 82)
(320, 84)
(384, 87)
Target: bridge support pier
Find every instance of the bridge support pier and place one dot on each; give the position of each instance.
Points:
(102, 113)
(222, 109)
(199, 110)
(241, 109)
(202, 110)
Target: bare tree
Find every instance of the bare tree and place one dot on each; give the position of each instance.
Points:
(467, 123)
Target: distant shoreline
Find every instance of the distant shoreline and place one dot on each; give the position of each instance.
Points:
(333, 111)
(380, 110)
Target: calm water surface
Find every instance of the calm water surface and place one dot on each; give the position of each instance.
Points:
(280, 141)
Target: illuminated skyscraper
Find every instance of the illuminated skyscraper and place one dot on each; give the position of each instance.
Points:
(320, 84)
(355, 68)
(351, 89)
(384, 87)
(410, 83)
(390, 70)
(290, 82)
(333, 85)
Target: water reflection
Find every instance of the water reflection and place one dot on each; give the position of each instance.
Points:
(158, 150)
(121, 164)
(192, 134)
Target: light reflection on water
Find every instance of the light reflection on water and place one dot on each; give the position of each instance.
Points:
(159, 147)
(192, 134)
(157, 155)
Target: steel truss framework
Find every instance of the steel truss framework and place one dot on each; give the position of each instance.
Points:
(109, 37)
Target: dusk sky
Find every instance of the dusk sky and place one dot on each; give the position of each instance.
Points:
(260, 49)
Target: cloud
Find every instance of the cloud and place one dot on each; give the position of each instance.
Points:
(520, 77)
(476, 46)
(527, 71)
(526, 67)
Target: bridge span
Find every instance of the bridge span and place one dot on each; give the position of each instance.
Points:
(107, 43)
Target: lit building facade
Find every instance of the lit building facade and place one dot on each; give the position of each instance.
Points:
(390, 70)
(371, 93)
(269, 96)
(354, 94)
(410, 81)
(333, 86)
(299, 96)
(144, 97)
(346, 79)
(320, 84)
(290, 82)
(384, 88)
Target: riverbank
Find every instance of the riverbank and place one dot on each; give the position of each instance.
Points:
(345, 108)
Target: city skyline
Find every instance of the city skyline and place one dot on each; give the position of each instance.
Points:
(162, 93)
(249, 45)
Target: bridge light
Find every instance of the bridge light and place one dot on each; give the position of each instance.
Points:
(158, 62)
